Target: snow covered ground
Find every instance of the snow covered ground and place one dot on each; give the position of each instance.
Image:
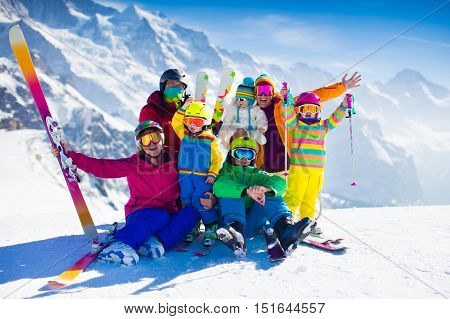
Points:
(397, 252)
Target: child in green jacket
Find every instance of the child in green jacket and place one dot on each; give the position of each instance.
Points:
(250, 199)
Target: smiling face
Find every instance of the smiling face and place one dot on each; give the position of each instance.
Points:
(264, 100)
(153, 149)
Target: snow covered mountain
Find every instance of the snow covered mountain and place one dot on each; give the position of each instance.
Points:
(98, 65)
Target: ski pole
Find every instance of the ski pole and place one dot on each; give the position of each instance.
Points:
(285, 131)
(350, 112)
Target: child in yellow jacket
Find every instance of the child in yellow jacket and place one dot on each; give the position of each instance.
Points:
(307, 133)
(199, 162)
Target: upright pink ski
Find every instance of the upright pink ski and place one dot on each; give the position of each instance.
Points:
(22, 53)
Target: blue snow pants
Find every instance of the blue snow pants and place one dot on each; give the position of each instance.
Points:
(168, 228)
(193, 187)
(254, 218)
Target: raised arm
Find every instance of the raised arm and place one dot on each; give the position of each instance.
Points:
(336, 117)
(103, 168)
(178, 123)
(216, 159)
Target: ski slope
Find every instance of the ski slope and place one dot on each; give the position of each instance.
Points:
(397, 252)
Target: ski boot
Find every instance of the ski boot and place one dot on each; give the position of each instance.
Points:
(193, 235)
(233, 238)
(121, 253)
(290, 233)
(316, 232)
(152, 248)
(274, 249)
(210, 236)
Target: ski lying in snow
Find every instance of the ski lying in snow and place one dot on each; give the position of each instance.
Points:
(69, 275)
(224, 88)
(331, 245)
(274, 249)
(22, 53)
(206, 250)
(184, 246)
(201, 86)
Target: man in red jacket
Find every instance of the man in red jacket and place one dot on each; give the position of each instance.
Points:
(154, 223)
(162, 105)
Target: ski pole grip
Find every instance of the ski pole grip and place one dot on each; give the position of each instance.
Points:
(349, 98)
(285, 87)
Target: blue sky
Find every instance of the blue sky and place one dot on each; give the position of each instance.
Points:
(331, 35)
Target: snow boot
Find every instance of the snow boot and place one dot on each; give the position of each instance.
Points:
(290, 233)
(121, 253)
(210, 236)
(152, 248)
(233, 238)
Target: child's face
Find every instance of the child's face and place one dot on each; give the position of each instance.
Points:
(241, 102)
(241, 162)
(194, 128)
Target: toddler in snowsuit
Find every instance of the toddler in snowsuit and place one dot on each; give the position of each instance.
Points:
(306, 132)
(199, 162)
(243, 114)
(250, 199)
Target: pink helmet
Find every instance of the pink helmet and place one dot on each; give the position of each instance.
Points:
(308, 98)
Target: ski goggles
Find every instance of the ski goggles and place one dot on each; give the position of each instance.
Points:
(150, 137)
(313, 108)
(240, 99)
(264, 90)
(240, 153)
(197, 121)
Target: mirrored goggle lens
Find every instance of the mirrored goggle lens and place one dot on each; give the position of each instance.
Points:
(266, 90)
(246, 153)
(199, 122)
(309, 108)
(152, 137)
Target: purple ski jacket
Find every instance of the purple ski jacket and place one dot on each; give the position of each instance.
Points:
(150, 186)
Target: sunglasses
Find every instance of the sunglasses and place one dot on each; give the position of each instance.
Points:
(197, 121)
(150, 137)
(240, 153)
(309, 108)
(262, 90)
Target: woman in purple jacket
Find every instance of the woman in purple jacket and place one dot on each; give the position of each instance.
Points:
(153, 222)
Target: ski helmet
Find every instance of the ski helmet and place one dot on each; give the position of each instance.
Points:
(172, 74)
(144, 126)
(309, 98)
(199, 109)
(244, 142)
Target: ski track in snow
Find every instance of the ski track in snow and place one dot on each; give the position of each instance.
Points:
(394, 252)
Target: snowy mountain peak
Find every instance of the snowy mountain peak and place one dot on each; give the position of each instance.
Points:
(409, 75)
(130, 14)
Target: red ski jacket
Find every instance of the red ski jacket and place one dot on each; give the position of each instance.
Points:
(150, 186)
(158, 111)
